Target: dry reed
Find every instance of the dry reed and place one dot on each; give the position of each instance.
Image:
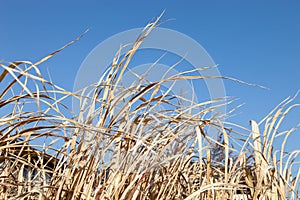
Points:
(48, 152)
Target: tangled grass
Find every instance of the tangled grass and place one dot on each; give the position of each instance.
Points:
(103, 152)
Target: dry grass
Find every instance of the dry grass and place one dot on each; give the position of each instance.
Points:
(48, 152)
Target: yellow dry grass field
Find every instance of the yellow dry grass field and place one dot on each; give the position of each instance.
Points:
(49, 152)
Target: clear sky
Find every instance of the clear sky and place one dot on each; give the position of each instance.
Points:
(255, 41)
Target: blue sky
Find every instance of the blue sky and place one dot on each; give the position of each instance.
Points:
(255, 41)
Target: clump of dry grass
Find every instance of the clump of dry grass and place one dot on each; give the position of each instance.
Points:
(48, 152)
